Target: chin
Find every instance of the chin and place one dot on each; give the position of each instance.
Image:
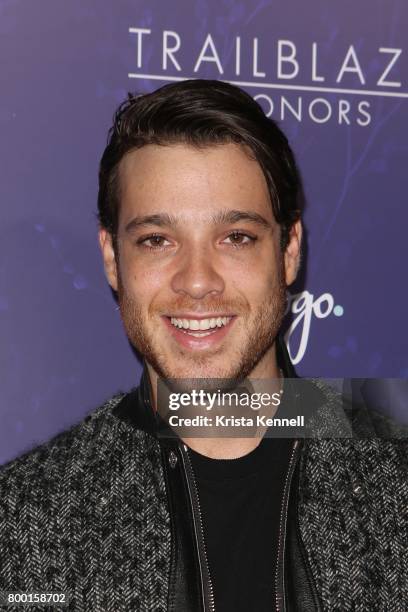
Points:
(209, 372)
(210, 379)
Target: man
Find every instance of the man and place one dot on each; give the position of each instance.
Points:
(200, 234)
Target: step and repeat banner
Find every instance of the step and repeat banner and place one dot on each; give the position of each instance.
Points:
(334, 75)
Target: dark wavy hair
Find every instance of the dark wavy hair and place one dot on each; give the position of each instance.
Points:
(200, 113)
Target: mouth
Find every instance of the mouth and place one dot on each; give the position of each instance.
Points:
(199, 332)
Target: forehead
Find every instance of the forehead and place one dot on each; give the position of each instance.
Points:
(191, 182)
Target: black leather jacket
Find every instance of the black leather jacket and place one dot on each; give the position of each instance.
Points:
(190, 588)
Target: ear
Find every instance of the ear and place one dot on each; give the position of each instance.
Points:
(109, 258)
(292, 252)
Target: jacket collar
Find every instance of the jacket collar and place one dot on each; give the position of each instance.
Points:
(283, 359)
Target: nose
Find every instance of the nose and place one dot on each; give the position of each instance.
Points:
(196, 275)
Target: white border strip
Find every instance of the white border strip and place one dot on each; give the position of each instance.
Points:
(359, 92)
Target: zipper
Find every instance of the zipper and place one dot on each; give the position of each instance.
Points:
(279, 574)
(205, 577)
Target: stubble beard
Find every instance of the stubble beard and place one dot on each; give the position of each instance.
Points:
(260, 336)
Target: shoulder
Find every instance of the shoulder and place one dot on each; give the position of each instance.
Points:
(344, 416)
(99, 436)
(346, 435)
(349, 437)
(70, 502)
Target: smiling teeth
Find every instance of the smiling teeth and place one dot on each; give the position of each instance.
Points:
(200, 324)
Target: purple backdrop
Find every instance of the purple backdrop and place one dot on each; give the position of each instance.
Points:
(334, 74)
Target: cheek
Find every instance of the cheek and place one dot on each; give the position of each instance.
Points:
(258, 277)
(140, 281)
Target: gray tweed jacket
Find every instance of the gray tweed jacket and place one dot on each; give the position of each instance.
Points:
(87, 514)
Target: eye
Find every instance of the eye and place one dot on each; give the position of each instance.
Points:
(239, 239)
(154, 241)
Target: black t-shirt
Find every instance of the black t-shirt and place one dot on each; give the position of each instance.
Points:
(240, 503)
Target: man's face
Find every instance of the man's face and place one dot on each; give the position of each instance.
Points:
(199, 272)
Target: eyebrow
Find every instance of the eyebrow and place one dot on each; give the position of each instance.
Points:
(219, 218)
